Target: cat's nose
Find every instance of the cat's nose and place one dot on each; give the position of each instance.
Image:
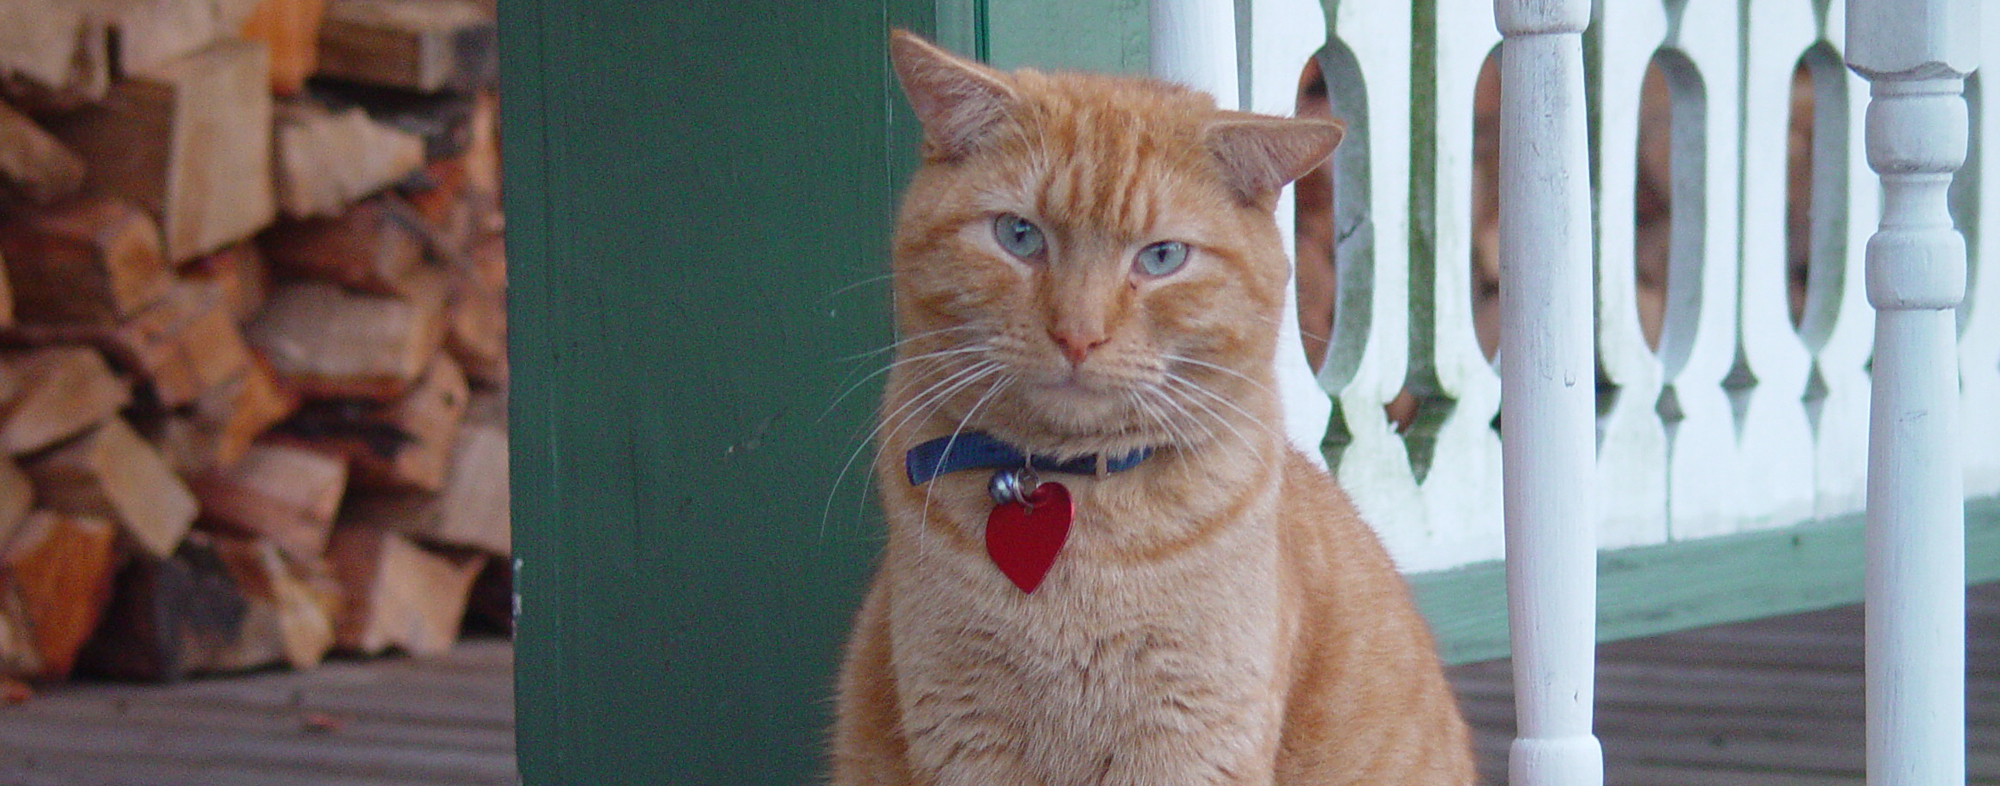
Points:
(1077, 345)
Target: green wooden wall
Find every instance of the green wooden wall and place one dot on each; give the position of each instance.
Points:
(699, 197)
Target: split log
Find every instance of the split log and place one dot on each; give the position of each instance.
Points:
(17, 495)
(185, 346)
(471, 511)
(64, 391)
(218, 429)
(424, 46)
(476, 318)
(288, 612)
(327, 160)
(55, 583)
(181, 347)
(152, 34)
(111, 472)
(403, 444)
(35, 167)
(482, 152)
(477, 336)
(444, 120)
(168, 615)
(93, 261)
(371, 248)
(55, 55)
(284, 494)
(240, 272)
(397, 593)
(291, 29)
(190, 142)
(333, 343)
(440, 197)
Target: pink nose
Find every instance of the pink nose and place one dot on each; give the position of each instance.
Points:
(1076, 346)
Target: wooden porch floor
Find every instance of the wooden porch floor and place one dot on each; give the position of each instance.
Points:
(442, 721)
(1774, 702)
(1769, 703)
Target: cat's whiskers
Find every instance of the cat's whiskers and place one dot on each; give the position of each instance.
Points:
(900, 342)
(1172, 358)
(1218, 417)
(930, 490)
(943, 353)
(1135, 399)
(934, 394)
(1186, 417)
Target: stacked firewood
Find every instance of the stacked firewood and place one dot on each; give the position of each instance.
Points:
(252, 333)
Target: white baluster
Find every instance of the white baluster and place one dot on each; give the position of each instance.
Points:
(1194, 44)
(1775, 443)
(1698, 333)
(1842, 331)
(1548, 371)
(1979, 341)
(1915, 53)
(1461, 490)
(1632, 455)
(1368, 357)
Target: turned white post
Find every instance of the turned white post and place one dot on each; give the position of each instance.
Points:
(1194, 44)
(1548, 388)
(1915, 55)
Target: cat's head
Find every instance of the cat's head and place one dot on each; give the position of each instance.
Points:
(1089, 263)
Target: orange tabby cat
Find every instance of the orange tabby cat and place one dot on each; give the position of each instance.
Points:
(1086, 269)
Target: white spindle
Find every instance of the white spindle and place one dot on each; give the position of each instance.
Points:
(1698, 338)
(1632, 456)
(1461, 490)
(1775, 437)
(1548, 372)
(1915, 53)
(1368, 357)
(1979, 342)
(1842, 335)
(1194, 44)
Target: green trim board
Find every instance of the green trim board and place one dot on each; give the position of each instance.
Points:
(1651, 590)
(1105, 36)
(699, 201)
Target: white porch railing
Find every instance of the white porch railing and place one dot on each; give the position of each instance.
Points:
(1739, 421)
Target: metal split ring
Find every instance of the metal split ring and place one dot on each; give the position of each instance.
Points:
(1013, 485)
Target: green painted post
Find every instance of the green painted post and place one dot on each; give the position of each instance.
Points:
(699, 198)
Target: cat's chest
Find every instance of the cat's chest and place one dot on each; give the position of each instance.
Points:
(1108, 625)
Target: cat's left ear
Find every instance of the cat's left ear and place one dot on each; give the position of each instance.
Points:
(956, 100)
(1259, 154)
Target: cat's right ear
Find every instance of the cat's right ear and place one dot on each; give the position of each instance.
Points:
(956, 100)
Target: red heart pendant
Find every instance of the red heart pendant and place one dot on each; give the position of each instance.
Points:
(1023, 539)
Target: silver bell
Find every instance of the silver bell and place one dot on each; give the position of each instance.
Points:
(1012, 485)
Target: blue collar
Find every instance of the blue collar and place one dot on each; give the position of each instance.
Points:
(977, 450)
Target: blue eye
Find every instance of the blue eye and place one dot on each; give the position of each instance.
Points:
(1018, 235)
(1162, 258)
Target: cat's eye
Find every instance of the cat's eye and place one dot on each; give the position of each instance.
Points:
(1018, 236)
(1162, 258)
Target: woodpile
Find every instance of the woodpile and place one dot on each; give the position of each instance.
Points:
(252, 334)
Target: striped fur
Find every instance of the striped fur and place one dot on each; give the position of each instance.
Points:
(1220, 614)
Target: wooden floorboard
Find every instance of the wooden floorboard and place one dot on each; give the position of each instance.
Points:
(1775, 702)
(1768, 703)
(441, 721)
